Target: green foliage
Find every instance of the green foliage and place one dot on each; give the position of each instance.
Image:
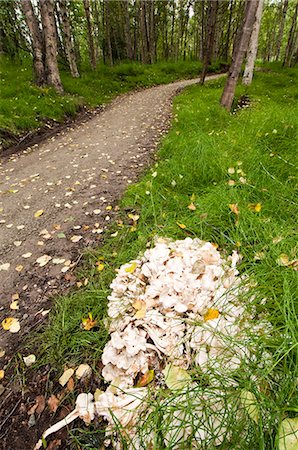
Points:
(206, 141)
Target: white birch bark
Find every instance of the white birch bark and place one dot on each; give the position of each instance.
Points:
(253, 47)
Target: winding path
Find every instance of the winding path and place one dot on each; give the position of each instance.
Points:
(54, 198)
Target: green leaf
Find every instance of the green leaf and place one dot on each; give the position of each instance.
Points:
(249, 401)
(288, 434)
(175, 377)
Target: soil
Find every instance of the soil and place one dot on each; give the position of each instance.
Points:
(68, 179)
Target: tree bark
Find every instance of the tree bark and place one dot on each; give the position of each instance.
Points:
(90, 34)
(253, 47)
(292, 39)
(209, 43)
(50, 40)
(281, 28)
(239, 53)
(37, 44)
(69, 47)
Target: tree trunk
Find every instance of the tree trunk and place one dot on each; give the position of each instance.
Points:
(108, 32)
(48, 25)
(69, 47)
(127, 33)
(253, 47)
(209, 43)
(90, 34)
(292, 39)
(281, 28)
(239, 53)
(37, 46)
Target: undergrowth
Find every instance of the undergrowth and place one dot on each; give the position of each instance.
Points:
(25, 106)
(239, 171)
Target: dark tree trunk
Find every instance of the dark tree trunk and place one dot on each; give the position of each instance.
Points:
(209, 43)
(239, 54)
(36, 38)
(292, 39)
(281, 28)
(90, 34)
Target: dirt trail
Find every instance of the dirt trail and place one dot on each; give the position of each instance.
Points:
(71, 177)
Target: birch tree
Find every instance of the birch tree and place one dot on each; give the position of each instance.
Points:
(36, 41)
(240, 49)
(90, 34)
(50, 45)
(253, 47)
(67, 36)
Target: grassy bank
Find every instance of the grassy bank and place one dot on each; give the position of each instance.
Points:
(239, 174)
(25, 107)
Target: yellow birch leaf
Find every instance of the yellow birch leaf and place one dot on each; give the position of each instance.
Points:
(11, 324)
(250, 403)
(175, 377)
(39, 213)
(89, 322)
(14, 305)
(234, 208)
(67, 374)
(193, 197)
(100, 267)
(1, 374)
(255, 207)
(211, 314)
(131, 268)
(146, 378)
(192, 207)
(181, 225)
(288, 434)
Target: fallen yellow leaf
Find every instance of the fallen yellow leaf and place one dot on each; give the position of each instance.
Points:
(67, 374)
(1, 374)
(100, 266)
(234, 208)
(19, 268)
(131, 268)
(192, 207)
(11, 324)
(211, 314)
(89, 322)
(39, 213)
(140, 306)
(146, 378)
(256, 207)
(181, 225)
(14, 305)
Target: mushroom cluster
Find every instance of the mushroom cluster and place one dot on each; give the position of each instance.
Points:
(179, 302)
(181, 305)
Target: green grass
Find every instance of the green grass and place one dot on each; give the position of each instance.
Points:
(193, 161)
(25, 107)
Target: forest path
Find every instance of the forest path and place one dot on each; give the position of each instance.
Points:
(53, 198)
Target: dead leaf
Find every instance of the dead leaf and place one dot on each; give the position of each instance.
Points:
(67, 374)
(146, 378)
(141, 308)
(255, 207)
(89, 322)
(131, 268)
(2, 373)
(11, 324)
(43, 260)
(39, 213)
(29, 360)
(17, 243)
(19, 268)
(14, 305)
(211, 314)
(181, 225)
(54, 445)
(5, 266)
(192, 207)
(27, 255)
(41, 404)
(75, 238)
(70, 385)
(234, 208)
(53, 403)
